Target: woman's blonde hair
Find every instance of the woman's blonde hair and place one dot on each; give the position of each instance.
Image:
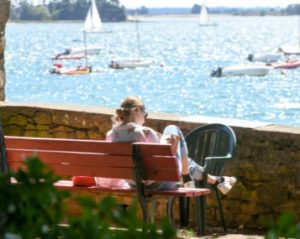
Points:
(127, 105)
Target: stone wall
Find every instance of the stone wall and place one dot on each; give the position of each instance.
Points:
(4, 14)
(267, 163)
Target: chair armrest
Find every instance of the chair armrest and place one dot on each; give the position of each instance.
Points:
(209, 160)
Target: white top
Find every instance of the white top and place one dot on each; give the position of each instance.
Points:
(132, 132)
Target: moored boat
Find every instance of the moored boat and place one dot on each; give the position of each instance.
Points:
(290, 64)
(69, 57)
(79, 70)
(241, 70)
(290, 49)
(264, 57)
(129, 63)
(79, 52)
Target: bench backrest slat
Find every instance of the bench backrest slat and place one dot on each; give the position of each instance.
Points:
(80, 145)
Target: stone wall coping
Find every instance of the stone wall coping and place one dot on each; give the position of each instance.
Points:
(257, 125)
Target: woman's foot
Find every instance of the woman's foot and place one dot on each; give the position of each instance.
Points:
(225, 186)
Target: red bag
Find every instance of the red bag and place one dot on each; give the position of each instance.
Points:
(83, 181)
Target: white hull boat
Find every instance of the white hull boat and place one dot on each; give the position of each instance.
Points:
(89, 50)
(264, 57)
(241, 70)
(290, 50)
(135, 62)
(129, 63)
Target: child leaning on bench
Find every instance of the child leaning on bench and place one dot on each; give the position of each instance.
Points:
(128, 127)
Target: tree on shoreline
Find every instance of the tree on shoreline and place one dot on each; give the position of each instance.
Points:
(110, 10)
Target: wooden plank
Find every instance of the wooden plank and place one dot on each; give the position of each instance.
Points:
(63, 170)
(162, 175)
(79, 145)
(160, 162)
(154, 149)
(67, 158)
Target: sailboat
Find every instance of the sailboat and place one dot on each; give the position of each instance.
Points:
(92, 24)
(132, 62)
(204, 18)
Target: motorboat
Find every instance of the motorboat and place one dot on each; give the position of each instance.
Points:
(69, 57)
(264, 57)
(241, 70)
(75, 52)
(129, 63)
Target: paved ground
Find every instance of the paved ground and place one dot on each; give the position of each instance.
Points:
(218, 233)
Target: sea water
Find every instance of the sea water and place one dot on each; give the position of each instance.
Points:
(178, 81)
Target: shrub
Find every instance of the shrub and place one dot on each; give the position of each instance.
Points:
(286, 226)
(34, 208)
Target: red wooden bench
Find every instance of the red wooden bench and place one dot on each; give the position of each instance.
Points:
(97, 158)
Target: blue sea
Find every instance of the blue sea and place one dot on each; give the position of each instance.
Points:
(179, 79)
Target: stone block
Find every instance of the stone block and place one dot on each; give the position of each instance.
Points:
(17, 120)
(42, 117)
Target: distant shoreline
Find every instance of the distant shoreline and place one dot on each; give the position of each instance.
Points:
(150, 16)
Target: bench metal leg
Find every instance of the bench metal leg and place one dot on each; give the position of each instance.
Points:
(153, 210)
(170, 205)
(200, 215)
(184, 204)
(221, 213)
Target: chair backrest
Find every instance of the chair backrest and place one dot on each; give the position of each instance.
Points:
(211, 146)
(3, 157)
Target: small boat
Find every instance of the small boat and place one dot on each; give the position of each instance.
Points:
(79, 70)
(68, 57)
(129, 63)
(241, 70)
(290, 49)
(290, 64)
(78, 52)
(135, 62)
(264, 57)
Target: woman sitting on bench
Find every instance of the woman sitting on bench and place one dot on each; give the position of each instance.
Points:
(128, 127)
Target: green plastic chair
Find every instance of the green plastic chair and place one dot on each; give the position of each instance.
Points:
(211, 146)
(3, 158)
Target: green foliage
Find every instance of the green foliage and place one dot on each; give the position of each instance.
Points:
(67, 10)
(31, 207)
(34, 208)
(286, 226)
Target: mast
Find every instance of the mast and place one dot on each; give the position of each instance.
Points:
(138, 36)
(85, 48)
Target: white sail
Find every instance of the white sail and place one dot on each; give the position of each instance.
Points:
(93, 21)
(204, 17)
(203, 20)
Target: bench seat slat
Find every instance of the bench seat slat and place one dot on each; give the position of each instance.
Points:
(180, 192)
